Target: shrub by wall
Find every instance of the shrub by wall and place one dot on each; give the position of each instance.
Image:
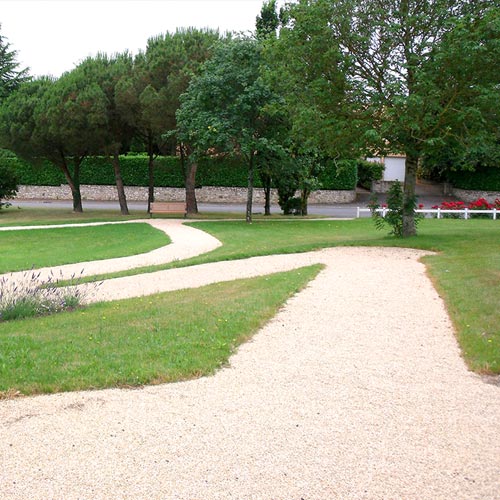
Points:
(224, 172)
(484, 179)
(339, 175)
(369, 171)
(44, 174)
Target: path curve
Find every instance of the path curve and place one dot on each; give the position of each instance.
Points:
(355, 390)
(186, 242)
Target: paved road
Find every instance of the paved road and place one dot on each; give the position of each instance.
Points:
(341, 210)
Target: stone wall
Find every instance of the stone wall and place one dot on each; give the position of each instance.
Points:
(468, 195)
(205, 194)
(380, 187)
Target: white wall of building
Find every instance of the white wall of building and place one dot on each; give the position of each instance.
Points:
(394, 167)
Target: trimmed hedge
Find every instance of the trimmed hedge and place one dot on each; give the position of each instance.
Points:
(339, 175)
(225, 172)
(45, 174)
(484, 179)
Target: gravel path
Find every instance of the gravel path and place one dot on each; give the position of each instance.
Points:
(186, 242)
(355, 390)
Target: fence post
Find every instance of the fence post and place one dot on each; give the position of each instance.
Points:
(466, 213)
(494, 214)
(357, 213)
(439, 213)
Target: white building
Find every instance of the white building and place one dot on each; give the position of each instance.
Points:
(394, 167)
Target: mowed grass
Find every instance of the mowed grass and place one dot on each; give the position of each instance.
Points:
(28, 216)
(162, 338)
(24, 249)
(466, 269)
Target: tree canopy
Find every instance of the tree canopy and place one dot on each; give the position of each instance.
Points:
(10, 74)
(230, 109)
(400, 74)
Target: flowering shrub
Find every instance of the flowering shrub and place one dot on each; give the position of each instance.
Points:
(450, 205)
(31, 296)
(479, 204)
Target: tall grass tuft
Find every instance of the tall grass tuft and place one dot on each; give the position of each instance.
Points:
(31, 296)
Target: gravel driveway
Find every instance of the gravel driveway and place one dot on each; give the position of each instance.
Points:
(355, 390)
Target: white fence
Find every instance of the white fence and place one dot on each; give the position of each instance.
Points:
(438, 212)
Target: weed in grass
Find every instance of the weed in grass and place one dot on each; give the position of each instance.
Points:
(32, 296)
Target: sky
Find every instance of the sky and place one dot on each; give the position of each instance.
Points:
(52, 36)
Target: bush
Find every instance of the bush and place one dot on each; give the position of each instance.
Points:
(339, 175)
(41, 174)
(8, 184)
(394, 210)
(29, 296)
(223, 171)
(481, 179)
(479, 204)
(369, 171)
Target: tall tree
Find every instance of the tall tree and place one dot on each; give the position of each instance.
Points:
(26, 129)
(396, 88)
(305, 64)
(397, 68)
(473, 138)
(10, 74)
(230, 109)
(266, 26)
(107, 84)
(169, 63)
(267, 22)
(68, 115)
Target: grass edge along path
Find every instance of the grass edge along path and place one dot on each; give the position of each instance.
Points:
(25, 249)
(466, 271)
(160, 338)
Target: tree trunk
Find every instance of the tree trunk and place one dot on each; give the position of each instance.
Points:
(73, 182)
(409, 199)
(151, 176)
(304, 196)
(189, 169)
(250, 189)
(119, 184)
(266, 182)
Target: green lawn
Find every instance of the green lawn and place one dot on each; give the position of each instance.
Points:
(24, 249)
(465, 270)
(161, 338)
(27, 216)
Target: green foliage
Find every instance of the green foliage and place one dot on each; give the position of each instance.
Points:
(161, 74)
(482, 179)
(410, 76)
(10, 76)
(339, 175)
(42, 173)
(267, 21)
(369, 171)
(8, 184)
(212, 171)
(394, 215)
(305, 65)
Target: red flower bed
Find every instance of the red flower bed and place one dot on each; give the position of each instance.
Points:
(479, 204)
